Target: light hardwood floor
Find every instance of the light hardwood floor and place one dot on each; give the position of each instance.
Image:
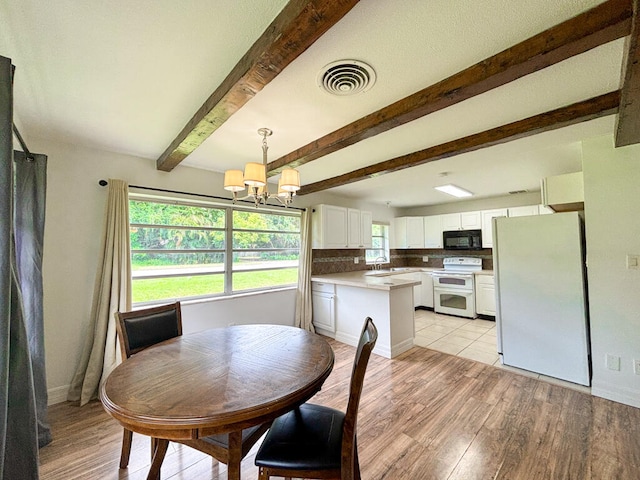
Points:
(424, 415)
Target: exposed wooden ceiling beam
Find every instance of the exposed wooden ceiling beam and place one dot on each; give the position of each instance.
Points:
(578, 112)
(295, 29)
(606, 22)
(628, 122)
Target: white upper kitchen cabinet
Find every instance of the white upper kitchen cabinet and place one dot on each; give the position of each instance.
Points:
(523, 211)
(487, 226)
(330, 227)
(340, 227)
(433, 231)
(451, 221)
(461, 221)
(564, 193)
(409, 232)
(360, 222)
(544, 210)
(471, 220)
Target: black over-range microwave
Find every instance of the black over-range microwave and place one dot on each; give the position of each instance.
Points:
(462, 240)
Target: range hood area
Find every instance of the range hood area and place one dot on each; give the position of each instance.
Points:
(563, 193)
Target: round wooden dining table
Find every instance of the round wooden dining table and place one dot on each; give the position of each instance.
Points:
(215, 381)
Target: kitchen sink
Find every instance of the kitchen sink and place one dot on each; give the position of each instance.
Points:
(387, 271)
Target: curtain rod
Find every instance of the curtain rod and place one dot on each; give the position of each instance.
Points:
(104, 183)
(25, 149)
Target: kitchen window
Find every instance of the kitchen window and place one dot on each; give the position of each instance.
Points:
(181, 250)
(379, 242)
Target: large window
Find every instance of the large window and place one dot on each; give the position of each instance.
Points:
(190, 251)
(380, 244)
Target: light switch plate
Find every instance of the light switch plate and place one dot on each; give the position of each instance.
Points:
(633, 262)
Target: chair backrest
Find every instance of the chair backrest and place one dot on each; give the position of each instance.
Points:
(140, 329)
(367, 341)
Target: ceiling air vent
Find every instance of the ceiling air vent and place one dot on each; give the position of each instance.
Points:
(516, 192)
(346, 77)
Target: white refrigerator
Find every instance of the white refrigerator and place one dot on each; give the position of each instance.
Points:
(541, 307)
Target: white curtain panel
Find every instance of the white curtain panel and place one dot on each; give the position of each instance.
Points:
(304, 309)
(112, 293)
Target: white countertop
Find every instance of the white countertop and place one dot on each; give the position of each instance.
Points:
(483, 272)
(375, 279)
(384, 279)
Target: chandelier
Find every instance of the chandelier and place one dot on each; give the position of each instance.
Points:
(255, 179)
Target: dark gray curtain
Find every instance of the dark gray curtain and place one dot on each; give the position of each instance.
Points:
(18, 425)
(29, 209)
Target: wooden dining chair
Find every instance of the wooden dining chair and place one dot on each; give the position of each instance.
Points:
(140, 329)
(143, 328)
(314, 441)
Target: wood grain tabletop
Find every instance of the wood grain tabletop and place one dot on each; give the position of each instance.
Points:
(216, 381)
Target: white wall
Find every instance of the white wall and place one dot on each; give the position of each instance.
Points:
(506, 201)
(75, 209)
(612, 222)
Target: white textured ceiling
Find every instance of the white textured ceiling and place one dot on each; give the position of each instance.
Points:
(126, 76)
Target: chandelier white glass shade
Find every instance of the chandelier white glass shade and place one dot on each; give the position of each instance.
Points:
(255, 179)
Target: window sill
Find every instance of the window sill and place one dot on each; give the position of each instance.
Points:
(218, 298)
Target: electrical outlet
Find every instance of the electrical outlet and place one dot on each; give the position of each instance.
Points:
(425, 259)
(356, 260)
(636, 366)
(612, 362)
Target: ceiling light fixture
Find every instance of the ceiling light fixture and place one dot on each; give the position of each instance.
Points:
(454, 190)
(255, 179)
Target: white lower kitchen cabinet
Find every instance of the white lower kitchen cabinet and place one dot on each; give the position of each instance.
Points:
(485, 295)
(324, 308)
(426, 297)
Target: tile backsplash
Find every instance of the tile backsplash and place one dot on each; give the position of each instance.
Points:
(337, 261)
(342, 260)
(414, 257)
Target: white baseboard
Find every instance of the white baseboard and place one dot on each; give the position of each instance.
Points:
(380, 349)
(57, 394)
(401, 347)
(618, 394)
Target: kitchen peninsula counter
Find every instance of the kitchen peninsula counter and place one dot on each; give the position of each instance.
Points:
(376, 294)
(376, 279)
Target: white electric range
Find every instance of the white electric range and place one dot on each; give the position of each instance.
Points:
(453, 287)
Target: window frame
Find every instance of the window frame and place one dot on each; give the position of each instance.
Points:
(228, 250)
(386, 247)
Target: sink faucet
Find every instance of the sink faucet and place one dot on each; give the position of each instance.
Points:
(376, 265)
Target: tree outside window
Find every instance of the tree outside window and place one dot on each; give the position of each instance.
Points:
(380, 243)
(183, 251)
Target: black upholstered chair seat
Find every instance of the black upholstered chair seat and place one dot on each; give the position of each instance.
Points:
(314, 441)
(307, 438)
